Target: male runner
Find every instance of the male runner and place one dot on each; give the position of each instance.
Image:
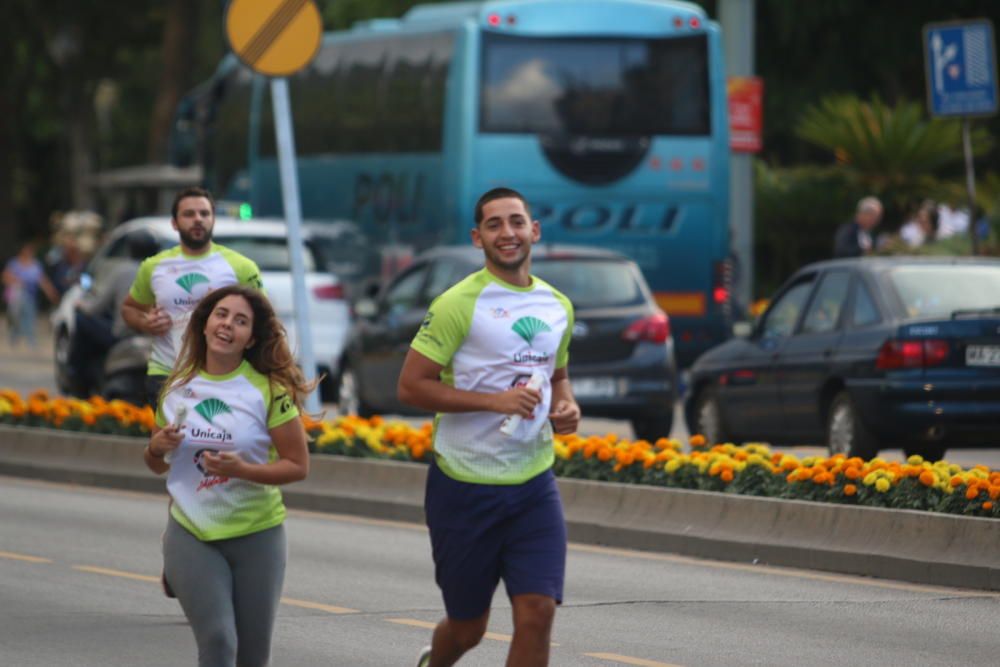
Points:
(491, 503)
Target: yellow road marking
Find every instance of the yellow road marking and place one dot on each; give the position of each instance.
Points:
(305, 604)
(430, 626)
(24, 557)
(116, 573)
(626, 660)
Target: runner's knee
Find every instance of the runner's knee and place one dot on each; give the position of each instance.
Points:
(534, 613)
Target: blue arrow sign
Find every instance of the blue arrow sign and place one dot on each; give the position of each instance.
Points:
(961, 68)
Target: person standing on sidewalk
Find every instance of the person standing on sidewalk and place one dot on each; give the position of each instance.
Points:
(23, 276)
(228, 423)
(170, 284)
(492, 505)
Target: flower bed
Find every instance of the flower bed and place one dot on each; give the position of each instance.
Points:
(750, 469)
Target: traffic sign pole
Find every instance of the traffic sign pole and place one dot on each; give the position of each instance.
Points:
(970, 182)
(293, 218)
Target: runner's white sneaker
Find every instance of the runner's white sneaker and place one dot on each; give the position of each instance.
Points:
(425, 657)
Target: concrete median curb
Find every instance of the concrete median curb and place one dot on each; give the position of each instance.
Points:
(913, 546)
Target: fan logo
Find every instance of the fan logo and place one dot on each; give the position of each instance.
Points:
(189, 280)
(528, 327)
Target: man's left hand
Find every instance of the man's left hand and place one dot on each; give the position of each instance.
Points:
(565, 417)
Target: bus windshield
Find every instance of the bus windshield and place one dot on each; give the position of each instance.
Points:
(595, 86)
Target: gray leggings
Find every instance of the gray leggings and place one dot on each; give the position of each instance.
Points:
(229, 590)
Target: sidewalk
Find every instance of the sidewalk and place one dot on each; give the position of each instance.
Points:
(28, 367)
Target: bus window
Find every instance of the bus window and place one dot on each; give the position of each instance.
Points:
(595, 86)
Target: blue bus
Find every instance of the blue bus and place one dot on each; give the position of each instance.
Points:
(609, 115)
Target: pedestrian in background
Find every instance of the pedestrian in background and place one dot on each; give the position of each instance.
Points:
(492, 504)
(227, 433)
(854, 238)
(23, 277)
(922, 228)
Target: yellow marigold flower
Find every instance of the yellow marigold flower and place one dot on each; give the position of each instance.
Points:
(869, 479)
(882, 485)
(673, 465)
(915, 459)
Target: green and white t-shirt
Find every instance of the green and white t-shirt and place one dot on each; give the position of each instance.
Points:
(231, 412)
(490, 336)
(177, 282)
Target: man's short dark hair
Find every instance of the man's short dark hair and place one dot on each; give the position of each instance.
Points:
(191, 192)
(499, 193)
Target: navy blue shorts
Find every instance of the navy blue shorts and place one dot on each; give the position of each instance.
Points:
(482, 533)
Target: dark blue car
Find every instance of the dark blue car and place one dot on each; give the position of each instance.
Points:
(862, 355)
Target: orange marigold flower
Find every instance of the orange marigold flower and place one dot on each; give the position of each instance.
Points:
(625, 458)
(972, 492)
(987, 506)
(994, 491)
(697, 440)
(927, 478)
(850, 489)
(802, 474)
(956, 480)
(852, 473)
(604, 454)
(726, 476)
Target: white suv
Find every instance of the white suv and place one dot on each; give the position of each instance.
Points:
(263, 241)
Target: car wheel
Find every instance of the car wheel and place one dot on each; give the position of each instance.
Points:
(348, 395)
(845, 433)
(708, 419)
(652, 429)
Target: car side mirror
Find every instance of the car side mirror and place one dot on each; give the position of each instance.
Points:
(742, 329)
(366, 307)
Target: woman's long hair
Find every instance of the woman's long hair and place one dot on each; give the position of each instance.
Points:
(269, 354)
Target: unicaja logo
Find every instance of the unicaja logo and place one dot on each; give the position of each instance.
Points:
(211, 407)
(528, 327)
(189, 280)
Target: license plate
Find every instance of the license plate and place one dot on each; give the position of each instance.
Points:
(594, 387)
(982, 355)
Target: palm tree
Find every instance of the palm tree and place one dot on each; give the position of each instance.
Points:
(893, 152)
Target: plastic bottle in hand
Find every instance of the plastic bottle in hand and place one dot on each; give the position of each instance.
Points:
(177, 424)
(511, 423)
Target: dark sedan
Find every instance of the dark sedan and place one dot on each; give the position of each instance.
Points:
(861, 355)
(621, 354)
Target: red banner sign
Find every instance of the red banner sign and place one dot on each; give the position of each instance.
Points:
(746, 96)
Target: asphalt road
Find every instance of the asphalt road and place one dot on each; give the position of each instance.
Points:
(79, 583)
(25, 369)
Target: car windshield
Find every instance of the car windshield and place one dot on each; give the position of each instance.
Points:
(269, 253)
(590, 283)
(939, 291)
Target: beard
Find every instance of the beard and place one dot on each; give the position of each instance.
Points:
(497, 259)
(194, 242)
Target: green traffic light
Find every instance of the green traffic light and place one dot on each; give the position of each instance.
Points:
(246, 211)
